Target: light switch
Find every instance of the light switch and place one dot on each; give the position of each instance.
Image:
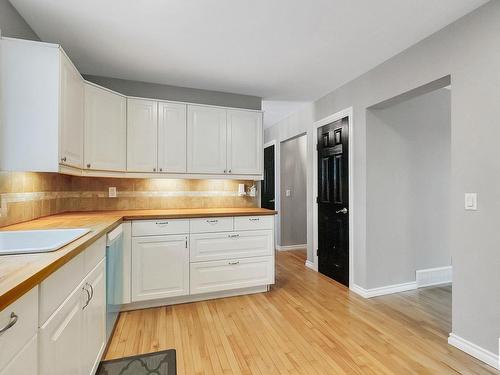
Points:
(112, 192)
(288, 192)
(471, 201)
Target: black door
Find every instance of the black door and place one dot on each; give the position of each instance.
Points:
(333, 201)
(267, 198)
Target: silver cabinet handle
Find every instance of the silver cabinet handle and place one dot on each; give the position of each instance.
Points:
(161, 169)
(233, 235)
(63, 159)
(342, 211)
(234, 263)
(229, 171)
(212, 221)
(88, 165)
(13, 320)
(91, 290)
(154, 169)
(225, 170)
(88, 298)
(161, 223)
(254, 219)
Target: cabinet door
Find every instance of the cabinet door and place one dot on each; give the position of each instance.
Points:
(172, 137)
(61, 338)
(71, 115)
(142, 135)
(244, 144)
(160, 267)
(105, 130)
(94, 319)
(206, 144)
(25, 362)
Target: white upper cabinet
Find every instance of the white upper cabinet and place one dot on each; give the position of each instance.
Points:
(42, 108)
(142, 135)
(71, 114)
(105, 129)
(244, 142)
(172, 137)
(207, 138)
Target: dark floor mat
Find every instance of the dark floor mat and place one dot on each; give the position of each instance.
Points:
(157, 363)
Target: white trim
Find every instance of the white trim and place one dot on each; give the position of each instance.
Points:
(310, 265)
(348, 112)
(383, 290)
(434, 276)
(276, 187)
(474, 350)
(291, 247)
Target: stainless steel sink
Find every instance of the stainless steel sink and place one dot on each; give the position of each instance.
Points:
(38, 241)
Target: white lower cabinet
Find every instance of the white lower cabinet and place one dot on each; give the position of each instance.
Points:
(25, 362)
(72, 339)
(222, 275)
(160, 267)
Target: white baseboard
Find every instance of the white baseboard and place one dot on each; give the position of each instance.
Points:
(434, 276)
(291, 247)
(310, 265)
(474, 350)
(381, 291)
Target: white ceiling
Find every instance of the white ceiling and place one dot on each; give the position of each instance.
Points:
(281, 50)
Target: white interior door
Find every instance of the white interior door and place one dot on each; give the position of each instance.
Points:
(245, 143)
(105, 130)
(207, 138)
(142, 135)
(71, 115)
(172, 137)
(160, 267)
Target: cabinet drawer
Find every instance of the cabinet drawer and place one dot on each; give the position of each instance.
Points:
(23, 330)
(253, 222)
(159, 227)
(25, 362)
(94, 254)
(57, 287)
(219, 246)
(206, 277)
(214, 224)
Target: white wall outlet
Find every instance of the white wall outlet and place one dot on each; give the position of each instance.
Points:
(471, 201)
(288, 192)
(112, 192)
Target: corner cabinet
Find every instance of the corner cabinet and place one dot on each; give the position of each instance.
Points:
(105, 129)
(42, 109)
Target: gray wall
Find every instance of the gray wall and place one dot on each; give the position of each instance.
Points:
(175, 93)
(12, 24)
(469, 51)
(408, 188)
(293, 177)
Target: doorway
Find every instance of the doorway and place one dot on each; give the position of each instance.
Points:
(268, 184)
(333, 200)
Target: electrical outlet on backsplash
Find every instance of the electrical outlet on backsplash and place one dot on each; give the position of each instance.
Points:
(27, 196)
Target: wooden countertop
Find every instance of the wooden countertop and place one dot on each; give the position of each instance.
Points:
(20, 273)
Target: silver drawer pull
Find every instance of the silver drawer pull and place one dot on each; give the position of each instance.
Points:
(234, 263)
(254, 219)
(212, 221)
(13, 320)
(233, 235)
(162, 223)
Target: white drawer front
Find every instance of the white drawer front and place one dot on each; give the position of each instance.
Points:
(230, 245)
(94, 254)
(25, 362)
(23, 330)
(159, 227)
(206, 277)
(213, 224)
(57, 287)
(253, 222)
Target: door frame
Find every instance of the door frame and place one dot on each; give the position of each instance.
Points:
(277, 229)
(348, 112)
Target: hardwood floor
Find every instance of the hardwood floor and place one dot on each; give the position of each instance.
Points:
(307, 324)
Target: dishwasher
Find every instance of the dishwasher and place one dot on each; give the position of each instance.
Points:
(114, 278)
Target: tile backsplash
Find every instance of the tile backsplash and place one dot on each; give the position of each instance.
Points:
(27, 196)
